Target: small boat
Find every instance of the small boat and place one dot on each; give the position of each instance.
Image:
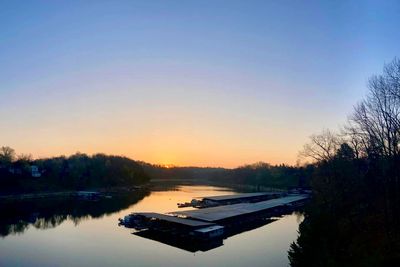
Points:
(133, 221)
(184, 205)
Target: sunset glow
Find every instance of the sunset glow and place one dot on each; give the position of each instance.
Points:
(188, 84)
(175, 133)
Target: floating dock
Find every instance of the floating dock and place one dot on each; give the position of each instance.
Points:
(238, 198)
(157, 217)
(207, 217)
(204, 229)
(173, 225)
(214, 201)
(228, 212)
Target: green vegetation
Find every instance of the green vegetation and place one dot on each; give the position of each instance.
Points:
(353, 219)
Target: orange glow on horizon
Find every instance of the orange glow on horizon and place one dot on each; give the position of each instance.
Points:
(186, 160)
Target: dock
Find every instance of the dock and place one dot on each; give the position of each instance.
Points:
(168, 220)
(204, 229)
(213, 201)
(246, 197)
(211, 224)
(229, 212)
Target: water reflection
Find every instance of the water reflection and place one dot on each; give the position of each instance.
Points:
(87, 234)
(17, 217)
(198, 245)
(190, 245)
(179, 242)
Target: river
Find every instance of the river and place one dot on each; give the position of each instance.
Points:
(84, 233)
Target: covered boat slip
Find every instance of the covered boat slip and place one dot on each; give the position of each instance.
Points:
(244, 196)
(219, 213)
(152, 216)
(213, 201)
(181, 227)
(185, 228)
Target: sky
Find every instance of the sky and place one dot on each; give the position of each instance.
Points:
(189, 83)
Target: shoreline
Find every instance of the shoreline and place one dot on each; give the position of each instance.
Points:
(69, 193)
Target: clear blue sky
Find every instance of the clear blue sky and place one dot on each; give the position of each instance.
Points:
(186, 82)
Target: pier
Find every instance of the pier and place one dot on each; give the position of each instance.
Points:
(241, 198)
(211, 224)
(213, 201)
(228, 212)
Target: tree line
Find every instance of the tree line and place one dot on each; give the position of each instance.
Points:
(81, 171)
(76, 172)
(258, 175)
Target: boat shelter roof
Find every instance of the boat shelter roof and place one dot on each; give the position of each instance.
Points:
(240, 196)
(224, 212)
(173, 219)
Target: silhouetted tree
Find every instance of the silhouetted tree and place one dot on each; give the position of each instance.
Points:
(322, 146)
(353, 218)
(376, 119)
(7, 155)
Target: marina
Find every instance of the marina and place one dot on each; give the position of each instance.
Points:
(220, 213)
(197, 229)
(61, 220)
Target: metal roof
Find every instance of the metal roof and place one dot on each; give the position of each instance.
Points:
(224, 212)
(177, 220)
(238, 196)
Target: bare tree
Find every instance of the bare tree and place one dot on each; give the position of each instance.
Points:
(25, 157)
(392, 75)
(376, 120)
(322, 146)
(7, 154)
(355, 140)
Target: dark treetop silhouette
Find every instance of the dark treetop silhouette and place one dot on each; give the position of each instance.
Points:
(354, 218)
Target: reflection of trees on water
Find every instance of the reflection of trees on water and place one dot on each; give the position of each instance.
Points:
(17, 217)
(55, 220)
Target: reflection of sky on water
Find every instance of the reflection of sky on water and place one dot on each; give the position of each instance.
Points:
(100, 242)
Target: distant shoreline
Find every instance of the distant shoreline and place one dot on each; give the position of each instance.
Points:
(38, 195)
(69, 193)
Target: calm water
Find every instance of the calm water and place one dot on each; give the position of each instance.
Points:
(60, 234)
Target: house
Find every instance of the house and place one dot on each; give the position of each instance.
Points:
(35, 171)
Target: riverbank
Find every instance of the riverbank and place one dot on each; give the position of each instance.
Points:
(155, 184)
(244, 188)
(71, 193)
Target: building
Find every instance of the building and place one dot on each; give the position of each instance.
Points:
(35, 171)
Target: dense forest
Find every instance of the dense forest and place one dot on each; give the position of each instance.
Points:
(354, 216)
